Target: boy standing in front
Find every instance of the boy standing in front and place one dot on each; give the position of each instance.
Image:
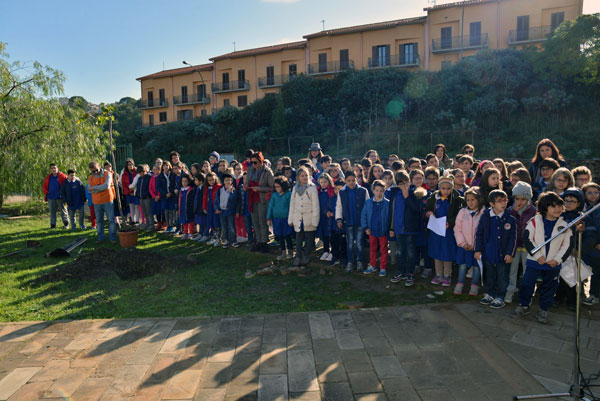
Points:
(375, 222)
(73, 193)
(495, 245)
(51, 188)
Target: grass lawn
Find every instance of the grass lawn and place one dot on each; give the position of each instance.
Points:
(211, 282)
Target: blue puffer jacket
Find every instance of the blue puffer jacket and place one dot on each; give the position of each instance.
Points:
(413, 209)
(384, 216)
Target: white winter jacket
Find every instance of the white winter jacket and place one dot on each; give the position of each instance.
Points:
(304, 209)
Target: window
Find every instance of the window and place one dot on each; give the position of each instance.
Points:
(293, 69)
(225, 81)
(380, 56)
(242, 101)
(322, 62)
(162, 116)
(446, 38)
(184, 94)
(409, 53)
(226, 102)
(151, 120)
(241, 79)
(556, 19)
(344, 59)
(150, 99)
(523, 28)
(201, 92)
(446, 64)
(475, 34)
(270, 75)
(184, 115)
(161, 96)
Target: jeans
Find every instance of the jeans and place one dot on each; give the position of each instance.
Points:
(309, 238)
(354, 243)
(497, 279)
(407, 257)
(547, 289)
(520, 257)
(259, 220)
(228, 228)
(382, 244)
(109, 210)
(462, 272)
(249, 228)
(72, 217)
(57, 205)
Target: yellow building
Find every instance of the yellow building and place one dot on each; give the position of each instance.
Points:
(447, 33)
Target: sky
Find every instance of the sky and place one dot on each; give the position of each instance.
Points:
(103, 46)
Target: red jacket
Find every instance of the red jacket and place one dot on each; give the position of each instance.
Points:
(61, 178)
(215, 189)
(125, 182)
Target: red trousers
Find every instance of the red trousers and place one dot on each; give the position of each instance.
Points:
(382, 244)
(92, 216)
(189, 228)
(240, 227)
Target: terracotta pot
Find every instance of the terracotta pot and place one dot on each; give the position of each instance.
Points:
(128, 239)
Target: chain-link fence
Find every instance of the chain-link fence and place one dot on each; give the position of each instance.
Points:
(294, 146)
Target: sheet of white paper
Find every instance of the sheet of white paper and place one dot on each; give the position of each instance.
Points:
(437, 225)
(480, 268)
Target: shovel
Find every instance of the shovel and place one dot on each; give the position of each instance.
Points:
(28, 244)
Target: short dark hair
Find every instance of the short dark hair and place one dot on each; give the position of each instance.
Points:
(430, 156)
(415, 172)
(378, 183)
(366, 162)
(304, 161)
(398, 165)
(432, 171)
(549, 162)
(283, 182)
(249, 153)
(70, 171)
(325, 159)
(497, 194)
(286, 161)
(339, 183)
(350, 173)
(199, 176)
(548, 199)
(414, 160)
(52, 164)
(173, 153)
(107, 163)
(464, 158)
(140, 168)
(401, 176)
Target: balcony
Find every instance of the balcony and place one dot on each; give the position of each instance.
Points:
(274, 81)
(532, 35)
(453, 44)
(196, 98)
(232, 86)
(394, 61)
(332, 67)
(153, 104)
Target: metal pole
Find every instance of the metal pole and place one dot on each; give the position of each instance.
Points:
(462, 29)
(112, 154)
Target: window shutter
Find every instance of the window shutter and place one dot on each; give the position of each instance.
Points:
(375, 57)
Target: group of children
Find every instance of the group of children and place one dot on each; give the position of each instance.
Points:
(494, 213)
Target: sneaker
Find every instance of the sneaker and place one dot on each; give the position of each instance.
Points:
(382, 273)
(370, 269)
(184, 236)
(397, 278)
(66, 225)
(329, 257)
(282, 256)
(359, 267)
(336, 262)
(447, 282)
(469, 273)
(508, 298)
(169, 230)
(204, 238)
(437, 279)
(235, 245)
(324, 256)
(210, 241)
(458, 289)
(349, 267)
(82, 227)
(486, 300)
(591, 300)
(520, 311)
(474, 291)
(296, 262)
(497, 304)
(426, 273)
(290, 255)
(410, 280)
(217, 242)
(542, 316)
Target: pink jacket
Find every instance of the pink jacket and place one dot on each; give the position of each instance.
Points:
(465, 227)
(152, 187)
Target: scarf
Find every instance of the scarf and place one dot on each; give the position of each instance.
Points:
(300, 189)
(253, 197)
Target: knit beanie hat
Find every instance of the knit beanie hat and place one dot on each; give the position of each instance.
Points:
(576, 193)
(522, 189)
(446, 180)
(215, 154)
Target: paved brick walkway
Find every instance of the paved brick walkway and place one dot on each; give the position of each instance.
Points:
(441, 352)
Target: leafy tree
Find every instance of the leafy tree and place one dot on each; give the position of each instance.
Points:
(35, 129)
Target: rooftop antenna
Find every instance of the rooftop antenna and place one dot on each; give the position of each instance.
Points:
(432, 2)
(163, 65)
(233, 46)
(323, 22)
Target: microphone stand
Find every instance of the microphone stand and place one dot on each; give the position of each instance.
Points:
(576, 389)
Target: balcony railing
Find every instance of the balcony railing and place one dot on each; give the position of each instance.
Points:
(195, 98)
(231, 86)
(152, 104)
(274, 81)
(394, 61)
(537, 34)
(454, 44)
(331, 67)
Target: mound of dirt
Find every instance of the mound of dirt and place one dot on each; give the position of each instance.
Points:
(127, 264)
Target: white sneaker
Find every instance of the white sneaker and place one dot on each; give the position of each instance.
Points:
(324, 256)
(184, 236)
(212, 241)
(329, 257)
(217, 242)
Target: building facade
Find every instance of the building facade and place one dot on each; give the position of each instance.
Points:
(447, 33)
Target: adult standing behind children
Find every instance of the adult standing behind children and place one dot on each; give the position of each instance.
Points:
(100, 185)
(259, 184)
(544, 149)
(51, 188)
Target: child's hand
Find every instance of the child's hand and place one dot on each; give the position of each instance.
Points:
(447, 226)
(581, 227)
(156, 198)
(428, 214)
(329, 214)
(268, 222)
(552, 263)
(255, 189)
(176, 191)
(237, 215)
(218, 212)
(368, 231)
(169, 195)
(392, 234)
(542, 260)
(340, 225)
(478, 255)
(508, 259)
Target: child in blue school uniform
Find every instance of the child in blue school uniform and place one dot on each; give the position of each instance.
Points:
(185, 217)
(375, 221)
(165, 184)
(213, 223)
(199, 216)
(73, 193)
(445, 202)
(277, 214)
(326, 193)
(225, 206)
(338, 237)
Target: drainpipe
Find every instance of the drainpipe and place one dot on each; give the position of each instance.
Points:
(427, 43)
(497, 24)
(214, 79)
(462, 29)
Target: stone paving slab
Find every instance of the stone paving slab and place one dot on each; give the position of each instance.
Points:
(436, 352)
